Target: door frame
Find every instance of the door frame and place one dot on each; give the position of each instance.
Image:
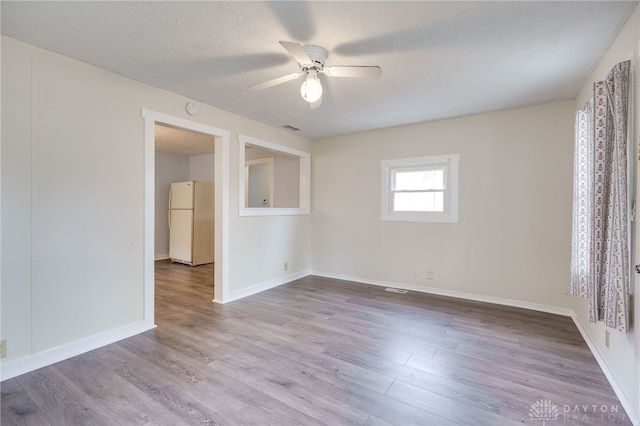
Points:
(221, 252)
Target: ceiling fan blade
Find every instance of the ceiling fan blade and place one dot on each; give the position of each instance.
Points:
(297, 52)
(353, 71)
(316, 104)
(276, 81)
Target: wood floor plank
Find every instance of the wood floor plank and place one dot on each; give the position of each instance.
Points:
(298, 354)
(172, 395)
(168, 389)
(543, 364)
(469, 330)
(460, 388)
(18, 408)
(282, 386)
(249, 405)
(319, 351)
(162, 357)
(525, 383)
(311, 377)
(394, 411)
(451, 409)
(61, 400)
(126, 404)
(375, 421)
(371, 356)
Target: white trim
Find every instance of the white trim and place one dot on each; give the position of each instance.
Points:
(272, 211)
(161, 257)
(305, 179)
(51, 356)
(222, 143)
(625, 400)
(244, 139)
(451, 293)
(149, 219)
(222, 184)
(266, 285)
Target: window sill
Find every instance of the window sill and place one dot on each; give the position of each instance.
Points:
(419, 217)
(272, 211)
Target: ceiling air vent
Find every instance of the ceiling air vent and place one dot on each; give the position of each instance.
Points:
(288, 127)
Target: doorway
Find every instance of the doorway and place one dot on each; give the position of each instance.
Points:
(184, 215)
(221, 184)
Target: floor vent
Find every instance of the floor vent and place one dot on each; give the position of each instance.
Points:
(395, 290)
(288, 127)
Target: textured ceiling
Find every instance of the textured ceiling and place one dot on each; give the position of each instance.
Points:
(439, 59)
(183, 142)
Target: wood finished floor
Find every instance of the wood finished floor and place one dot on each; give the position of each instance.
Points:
(321, 351)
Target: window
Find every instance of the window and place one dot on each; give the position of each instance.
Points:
(273, 179)
(421, 189)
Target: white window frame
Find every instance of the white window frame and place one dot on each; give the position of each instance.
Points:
(304, 207)
(449, 163)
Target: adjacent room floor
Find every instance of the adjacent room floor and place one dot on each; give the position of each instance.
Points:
(322, 351)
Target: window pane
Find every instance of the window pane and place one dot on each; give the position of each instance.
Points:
(418, 180)
(418, 202)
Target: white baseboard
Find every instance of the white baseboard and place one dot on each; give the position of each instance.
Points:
(161, 257)
(451, 293)
(266, 285)
(625, 400)
(24, 365)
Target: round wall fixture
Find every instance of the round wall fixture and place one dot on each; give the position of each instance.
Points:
(192, 109)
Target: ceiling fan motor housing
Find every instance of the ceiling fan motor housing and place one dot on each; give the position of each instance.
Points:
(317, 54)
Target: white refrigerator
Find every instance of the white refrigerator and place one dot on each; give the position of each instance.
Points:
(191, 226)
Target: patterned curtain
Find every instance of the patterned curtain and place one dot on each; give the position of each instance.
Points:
(600, 256)
(582, 234)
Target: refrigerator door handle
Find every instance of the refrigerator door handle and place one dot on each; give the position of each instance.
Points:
(169, 211)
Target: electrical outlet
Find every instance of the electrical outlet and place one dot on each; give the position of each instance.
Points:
(286, 266)
(430, 276)
(607, 338)
(3, 348)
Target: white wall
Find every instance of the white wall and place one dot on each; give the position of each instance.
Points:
(81, 202)
(287, 236)
(622, 355)
(16, 199)
(202, 168)
(286, 181)
(72, 203)
(286, 176)
(512, 240)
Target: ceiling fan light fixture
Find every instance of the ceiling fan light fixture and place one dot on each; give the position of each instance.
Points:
(311, 60)
(311, 89)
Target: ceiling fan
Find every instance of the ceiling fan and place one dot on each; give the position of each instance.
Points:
(311, 60)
